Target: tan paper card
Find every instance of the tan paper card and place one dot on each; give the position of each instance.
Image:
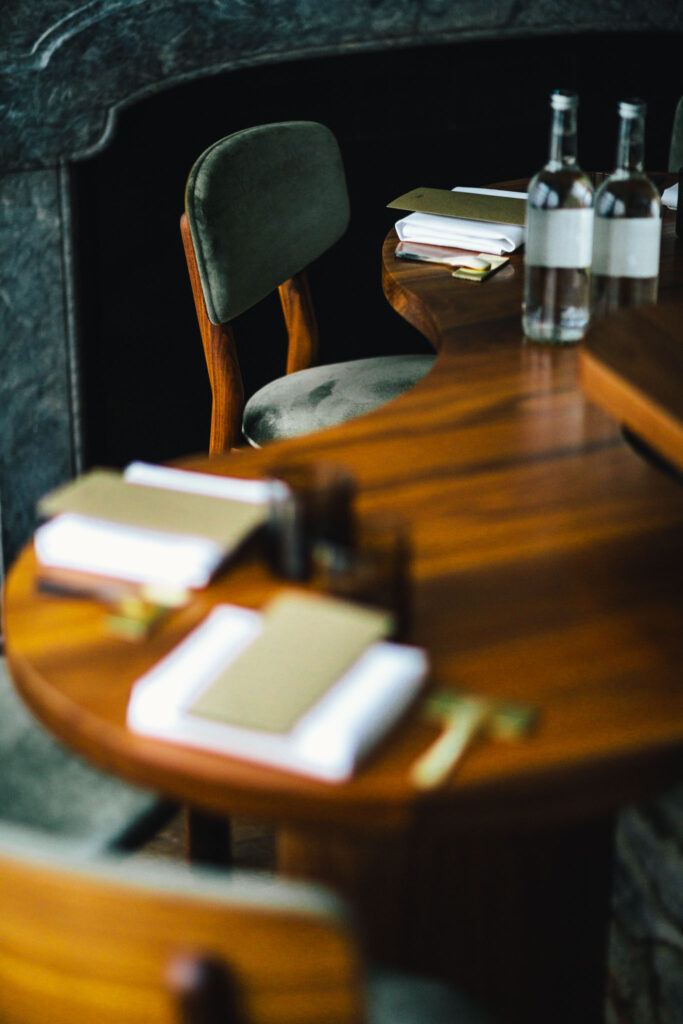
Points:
(469, 205)
(103, 494)
(307, 644)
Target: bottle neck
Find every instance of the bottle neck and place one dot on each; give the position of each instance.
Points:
(563, 139)
(631, 144)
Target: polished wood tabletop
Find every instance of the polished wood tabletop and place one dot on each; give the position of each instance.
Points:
(631, 364)
(546, 569)
(547, 558)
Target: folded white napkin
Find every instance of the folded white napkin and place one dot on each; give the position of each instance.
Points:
(89, 545)
(81, 544)
(459, 233)
(670, 197)
(328, 740)
(254, 492)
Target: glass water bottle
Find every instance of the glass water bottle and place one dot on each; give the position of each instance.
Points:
(628, 226)
(559, 225)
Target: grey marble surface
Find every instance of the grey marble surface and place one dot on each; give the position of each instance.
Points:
(646, 935)
(36, 441)
(65, 68)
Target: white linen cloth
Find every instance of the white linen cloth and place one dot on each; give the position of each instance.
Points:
(459, 233)
(328, 740)
(80, 544)
(144, 556)
(670, 197)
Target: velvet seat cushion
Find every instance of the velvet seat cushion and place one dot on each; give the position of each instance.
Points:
(45, 787)
(324, 396)
(394, 996)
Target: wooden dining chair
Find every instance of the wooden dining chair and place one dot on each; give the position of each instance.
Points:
(44, 786)
(146, 941)
(260, 206)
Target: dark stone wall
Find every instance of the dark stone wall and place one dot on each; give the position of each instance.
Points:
(646, 936)
(66, 67)
(36, 367)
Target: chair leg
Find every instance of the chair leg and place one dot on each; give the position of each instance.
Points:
(203, 991)
(208, 838)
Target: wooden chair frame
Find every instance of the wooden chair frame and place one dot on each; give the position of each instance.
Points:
(120, 942)
(220, 351)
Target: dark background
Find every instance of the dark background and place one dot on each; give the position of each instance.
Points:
(467, 113)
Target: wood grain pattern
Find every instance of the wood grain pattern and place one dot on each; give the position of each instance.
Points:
(75, 947)
(512, 917)
(632, 366)
(302, 327)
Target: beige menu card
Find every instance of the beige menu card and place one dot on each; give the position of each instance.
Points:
(468, 205)
(308, 642)
(104, 495)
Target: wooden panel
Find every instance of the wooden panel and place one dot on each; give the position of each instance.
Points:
(632, 366)
(512, 918)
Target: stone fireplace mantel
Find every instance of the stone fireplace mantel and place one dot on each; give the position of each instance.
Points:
(65, 71)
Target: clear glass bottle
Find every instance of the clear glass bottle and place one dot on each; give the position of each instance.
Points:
(628, 225)
(559, 223)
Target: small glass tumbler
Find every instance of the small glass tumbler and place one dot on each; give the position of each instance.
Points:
(375, 570)
(311, 505)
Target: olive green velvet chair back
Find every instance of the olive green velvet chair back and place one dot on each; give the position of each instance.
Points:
(262, 204)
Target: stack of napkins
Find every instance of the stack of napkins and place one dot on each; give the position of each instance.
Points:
(308, 686)
(151, 525)
(464, 232)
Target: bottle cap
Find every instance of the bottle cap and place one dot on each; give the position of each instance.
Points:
(632, 108)
(563, 99)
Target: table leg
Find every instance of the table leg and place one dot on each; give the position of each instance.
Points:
(518, 921)
(369, 872)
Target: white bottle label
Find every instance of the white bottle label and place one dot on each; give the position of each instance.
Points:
(559, 238)
(627, 246)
